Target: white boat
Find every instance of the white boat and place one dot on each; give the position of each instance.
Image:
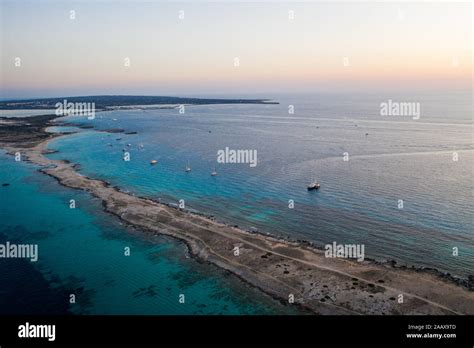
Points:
(188, 168)
(214, 172)
(153, 162)
(314, 186)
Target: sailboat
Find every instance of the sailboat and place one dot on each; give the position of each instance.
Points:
(214, 172)
(188, 168)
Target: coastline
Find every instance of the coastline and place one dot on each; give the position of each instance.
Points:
(277, 267)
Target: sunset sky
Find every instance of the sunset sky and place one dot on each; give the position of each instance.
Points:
(386, 45)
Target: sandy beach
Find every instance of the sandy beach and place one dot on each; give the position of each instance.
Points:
(280, 268)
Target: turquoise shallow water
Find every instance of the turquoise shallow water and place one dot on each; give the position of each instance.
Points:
(391, 159)
(81, 251)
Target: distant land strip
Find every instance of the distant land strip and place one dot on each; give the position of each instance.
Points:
(108, 101)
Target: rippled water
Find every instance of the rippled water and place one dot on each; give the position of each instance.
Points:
(81, 252)
(390, 159)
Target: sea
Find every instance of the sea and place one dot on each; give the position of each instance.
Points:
(401, 185)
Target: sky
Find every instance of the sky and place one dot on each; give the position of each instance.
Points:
(144, 47)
